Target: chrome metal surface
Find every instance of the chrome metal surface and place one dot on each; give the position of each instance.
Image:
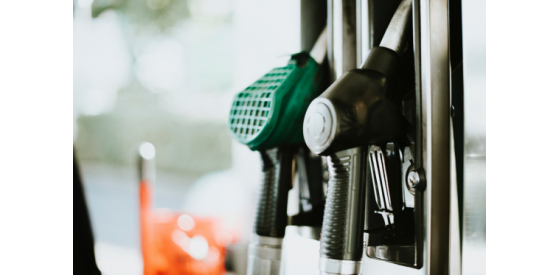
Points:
(474, 188)
(147, 161)
(341, 26)
(404, 254)
(395, 35)
(263, 260)
(435, 105)
(265, 252)
(263, 240)
(364, 29)
(410, 190)
(412, 179)
(454, 228)
(379, 176)
(331, 266)
(393, 253)
(264, 256)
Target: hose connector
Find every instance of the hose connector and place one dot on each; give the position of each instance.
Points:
(331, 267)
(265, 255)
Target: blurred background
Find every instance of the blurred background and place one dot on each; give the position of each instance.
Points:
(166, 71)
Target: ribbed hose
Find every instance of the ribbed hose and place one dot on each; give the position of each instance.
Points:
(343, 222)
(271, 217)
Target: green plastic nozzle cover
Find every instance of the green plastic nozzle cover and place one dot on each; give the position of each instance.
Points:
(270, 111)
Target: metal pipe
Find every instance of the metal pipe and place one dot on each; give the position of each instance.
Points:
(341, 26)
(434, 114)
(319, 50)
(396, 34)
(313, 17)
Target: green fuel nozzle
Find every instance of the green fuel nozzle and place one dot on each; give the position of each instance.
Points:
(268, 116)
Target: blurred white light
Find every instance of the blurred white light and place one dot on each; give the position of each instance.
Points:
(161, 66)
(177, 236)
(185, 222)
(224, 238)
(147, 150)
(234, 203)
(198, 248)
(181, 239)
(98, 100)
(101, 61)
(116, 259)
(213, 255)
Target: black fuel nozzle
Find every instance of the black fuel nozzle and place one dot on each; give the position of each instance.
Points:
(358, 110)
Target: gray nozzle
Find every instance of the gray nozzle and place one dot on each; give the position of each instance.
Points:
(395, 36)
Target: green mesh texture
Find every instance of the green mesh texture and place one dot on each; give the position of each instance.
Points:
(270, 111)
(251, 108)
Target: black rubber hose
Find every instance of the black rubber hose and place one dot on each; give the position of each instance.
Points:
(271, 218)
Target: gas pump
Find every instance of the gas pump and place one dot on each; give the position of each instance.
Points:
(405, 159)
(390, 128)
(392, 139)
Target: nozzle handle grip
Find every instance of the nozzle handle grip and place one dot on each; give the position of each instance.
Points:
(343, 223)
(271, 218)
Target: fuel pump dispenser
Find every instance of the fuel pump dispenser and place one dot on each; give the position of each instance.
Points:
(396, 171)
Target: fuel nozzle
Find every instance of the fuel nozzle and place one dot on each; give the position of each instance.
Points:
(357, 110)
(267, 117)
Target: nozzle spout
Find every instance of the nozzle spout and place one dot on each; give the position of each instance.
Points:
(395, 36)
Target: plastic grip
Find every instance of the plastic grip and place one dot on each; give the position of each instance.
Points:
(271, 218)
(343, 222)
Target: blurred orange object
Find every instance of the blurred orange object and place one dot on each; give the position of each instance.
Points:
(177, 243)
